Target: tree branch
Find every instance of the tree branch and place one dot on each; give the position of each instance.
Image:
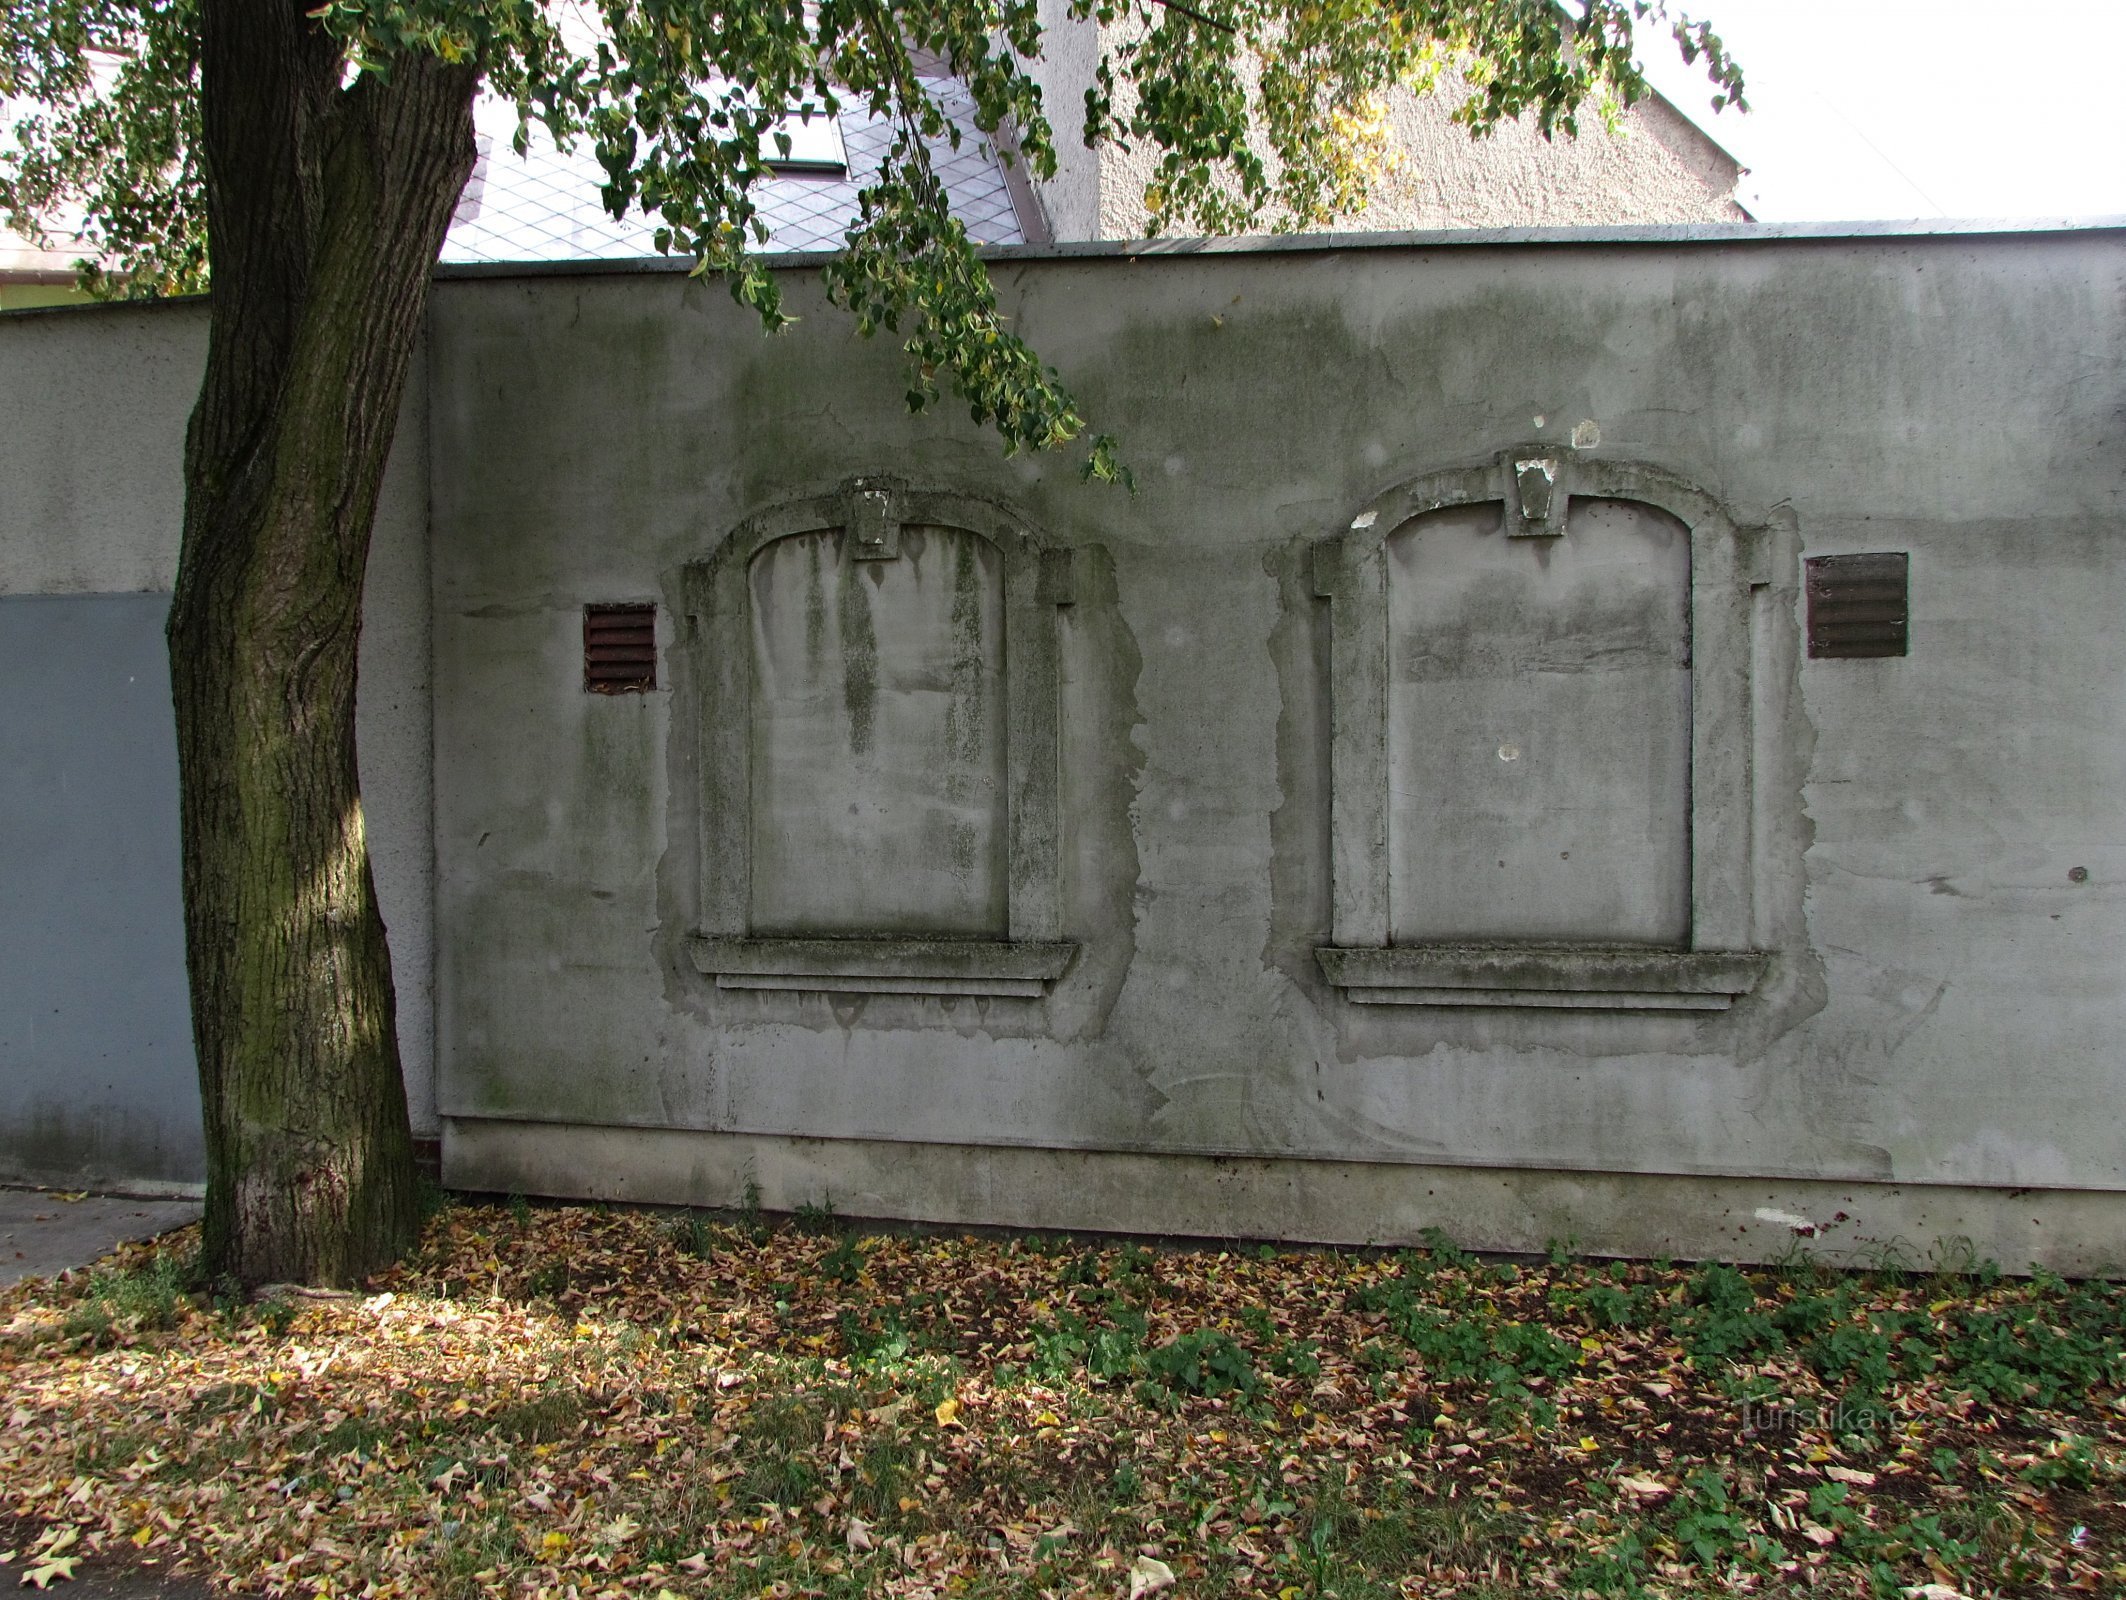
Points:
(1196, 16)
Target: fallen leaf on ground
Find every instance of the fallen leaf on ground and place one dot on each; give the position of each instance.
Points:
(564, 1403)
(1148, 1575)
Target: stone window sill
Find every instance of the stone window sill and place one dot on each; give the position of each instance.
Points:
(1549, 977)
(995, 968)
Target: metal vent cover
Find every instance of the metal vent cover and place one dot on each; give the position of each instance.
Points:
(619, 648)
(1859, 606)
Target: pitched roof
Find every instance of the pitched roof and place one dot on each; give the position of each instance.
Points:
(545, 205)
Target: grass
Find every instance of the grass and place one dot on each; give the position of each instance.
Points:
(145, 1297)
(551, 1398)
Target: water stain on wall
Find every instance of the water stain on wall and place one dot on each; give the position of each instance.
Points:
(879, 792)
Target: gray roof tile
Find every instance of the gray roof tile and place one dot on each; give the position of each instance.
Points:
(545, 205)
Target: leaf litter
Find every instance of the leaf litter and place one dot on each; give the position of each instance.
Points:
(573, 1403)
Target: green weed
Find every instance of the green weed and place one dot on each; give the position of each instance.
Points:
(2071, 1463)
(2035, 1352)
(845, 1262)
(1712, 1528)
(1203, 1363)
(750, 1221)
(691, 1235)
(1721, 1324)
(143, 1299)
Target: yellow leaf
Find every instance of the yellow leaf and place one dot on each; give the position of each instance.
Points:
(948, 1413)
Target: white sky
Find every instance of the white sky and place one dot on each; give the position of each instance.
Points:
(1917, 108)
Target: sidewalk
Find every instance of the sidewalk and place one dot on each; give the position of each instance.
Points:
(45, 1231)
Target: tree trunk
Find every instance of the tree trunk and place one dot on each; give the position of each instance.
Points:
(326, 211)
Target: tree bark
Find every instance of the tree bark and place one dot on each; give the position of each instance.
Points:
(327, 206)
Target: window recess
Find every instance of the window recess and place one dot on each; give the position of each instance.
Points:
(877, 673)
(1540, 700)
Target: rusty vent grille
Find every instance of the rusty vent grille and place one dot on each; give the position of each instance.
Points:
(1858, 607)
(619, 649)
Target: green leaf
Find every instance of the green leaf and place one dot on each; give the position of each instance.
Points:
(1247, 113)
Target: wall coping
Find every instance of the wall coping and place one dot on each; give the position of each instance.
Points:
(1720, 234)
(1713, 234)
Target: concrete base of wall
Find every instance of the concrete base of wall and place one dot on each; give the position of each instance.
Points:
(2078, 1232)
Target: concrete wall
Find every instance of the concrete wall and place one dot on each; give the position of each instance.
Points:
(95, 1040)
(1655, 166)
(1918, 856)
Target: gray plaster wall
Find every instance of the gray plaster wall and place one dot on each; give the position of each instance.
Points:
(1927, 847)
(1070, 53)
(95, 1044)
